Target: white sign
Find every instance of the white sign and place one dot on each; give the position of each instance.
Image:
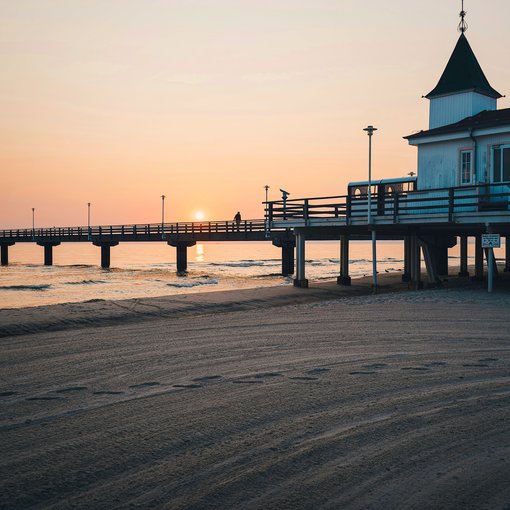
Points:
(491, 241)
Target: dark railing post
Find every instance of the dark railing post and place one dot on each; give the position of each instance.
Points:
(305, 210)
(395, 206)
(270, 213)
(451, 204)
(348, 207)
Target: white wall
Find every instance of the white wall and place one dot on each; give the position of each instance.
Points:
(438, 163)
(454, 107)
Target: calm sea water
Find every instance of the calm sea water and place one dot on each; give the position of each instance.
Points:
(148, 269)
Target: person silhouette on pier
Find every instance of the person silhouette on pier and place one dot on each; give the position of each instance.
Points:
(237, 219)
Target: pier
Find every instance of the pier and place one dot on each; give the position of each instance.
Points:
(180, 235)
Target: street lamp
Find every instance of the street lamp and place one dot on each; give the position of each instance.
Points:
(370, 131)
(33, 222)
(163, 216)
(266, 187)
(88, 219)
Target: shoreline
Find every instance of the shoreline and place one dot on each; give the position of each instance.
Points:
(97, 313)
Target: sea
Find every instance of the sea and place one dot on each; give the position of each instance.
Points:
(141, 270)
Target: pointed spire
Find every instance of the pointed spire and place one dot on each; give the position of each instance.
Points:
(463, 73)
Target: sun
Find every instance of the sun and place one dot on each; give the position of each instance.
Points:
(199, 215)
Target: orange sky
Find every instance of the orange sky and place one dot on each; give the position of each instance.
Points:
(118, 101)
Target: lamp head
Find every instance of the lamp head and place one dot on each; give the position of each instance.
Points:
(370, 130)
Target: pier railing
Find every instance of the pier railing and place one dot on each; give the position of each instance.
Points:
(133, 232)
(445, 201)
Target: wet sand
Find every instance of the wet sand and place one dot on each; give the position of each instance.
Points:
(274, 398)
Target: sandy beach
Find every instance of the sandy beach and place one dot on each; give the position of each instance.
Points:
(267, 398)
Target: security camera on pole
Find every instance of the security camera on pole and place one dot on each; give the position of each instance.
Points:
(370, 131)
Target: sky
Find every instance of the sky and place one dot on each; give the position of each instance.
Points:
(116, 102)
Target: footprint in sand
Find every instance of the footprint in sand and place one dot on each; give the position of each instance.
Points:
(488, 359)
(144, 385)
(267, 375)
(436, 364)
(187, 386)
(375, 365)
(475, 365)
(416, 369)
(106, 392)
(71, 389)
(304, 378)
(362, 372)
(43, 398)
(247, 382)
(206, 378)
(318, 370)
(7, 393)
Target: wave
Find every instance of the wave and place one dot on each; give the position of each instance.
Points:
(85, 282)
(193, 283)
(26, 287)
(245, 263)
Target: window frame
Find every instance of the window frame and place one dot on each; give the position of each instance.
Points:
(463, 152)
(501, 147)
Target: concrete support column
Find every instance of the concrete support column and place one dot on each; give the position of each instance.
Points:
(490, 253)
(344, 278)
(300, 280)
(478, 258)
(507, 254)
(182, 254)
(48, 251)
(415, 263)
(463, 256)
(406, 276)
(287, 245)
(105, 252)
(4, 253)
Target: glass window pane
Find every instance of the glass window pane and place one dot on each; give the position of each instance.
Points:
(465, 168)
(497, 165)
(506, 164)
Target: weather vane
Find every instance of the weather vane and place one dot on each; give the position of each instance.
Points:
(462, 25)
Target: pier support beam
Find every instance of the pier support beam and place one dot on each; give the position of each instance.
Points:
(182, 255)
(507, 254)
(344, 278)
(406, 276)
(415, 282)
(478, 258)
(105, 252)
(300, 280)
(4, 253)
(287, 246)
(463, 256)
(48, 251)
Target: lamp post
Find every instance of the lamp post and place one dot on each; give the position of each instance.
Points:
(88, 220)
(163, 216)
(33, 222)
(370, 131)
(266, 187)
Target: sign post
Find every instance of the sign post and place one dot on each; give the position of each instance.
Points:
(490, 241)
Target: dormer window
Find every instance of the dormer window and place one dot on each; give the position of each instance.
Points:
(501, 163)
(466, 167)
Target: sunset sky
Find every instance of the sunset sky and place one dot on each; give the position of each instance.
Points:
(116, 102)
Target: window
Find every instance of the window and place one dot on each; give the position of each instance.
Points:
(466, 167)
(501, 164)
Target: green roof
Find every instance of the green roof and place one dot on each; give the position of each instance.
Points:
(463, 73)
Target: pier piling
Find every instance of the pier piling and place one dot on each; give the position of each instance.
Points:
(463, 256)
(182, 254)
(105, 252)
(48, 251)
(344, 278)
(287, 246)
(4, 253)
(300, 280)
(478, 258)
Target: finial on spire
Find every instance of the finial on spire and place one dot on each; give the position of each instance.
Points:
(463, 26)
